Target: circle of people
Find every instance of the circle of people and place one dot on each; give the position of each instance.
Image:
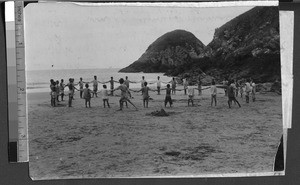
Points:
(231, 89)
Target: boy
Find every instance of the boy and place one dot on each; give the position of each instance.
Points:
(158, 85)
(81, 86)
(253, 90)
(225, 83)
(191, 94)
(143, 83)
(104, 94)
(111, 81)
(231, 94)
(146, 96)
(57, 90)
(199, 82)
(173, 83)
(124, 94)
(86, 95)
(62, 89)
(168, 98)
(185, 85)
(95, 86)
(53, 93)
(71, 91)
(126, 82)
(213, 92)
(247, 90)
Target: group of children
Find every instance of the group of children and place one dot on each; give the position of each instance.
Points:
(231, 90)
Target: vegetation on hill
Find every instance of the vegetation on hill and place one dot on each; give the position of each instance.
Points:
(247, 46)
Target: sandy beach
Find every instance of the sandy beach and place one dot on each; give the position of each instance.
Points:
(81, 142)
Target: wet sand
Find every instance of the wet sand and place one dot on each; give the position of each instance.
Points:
(81, 142)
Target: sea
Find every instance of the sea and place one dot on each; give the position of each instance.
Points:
(39, 80)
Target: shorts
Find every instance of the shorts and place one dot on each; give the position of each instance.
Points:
(168, 99)
(213, 95)
(53, 94)
(123, 99)
(95, 89)
(231, 99)
(191, 97)
(146, 98)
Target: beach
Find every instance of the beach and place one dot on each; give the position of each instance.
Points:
(80, 142)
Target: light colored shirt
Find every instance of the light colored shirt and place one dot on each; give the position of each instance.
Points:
(104, 94)
(213, 90)
(248, 87)
(80, 84)
(185, 84)
(191, 91)
(253, 87)
(142, 83)
(158, 83)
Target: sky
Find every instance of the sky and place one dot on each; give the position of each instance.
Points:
(72, 36)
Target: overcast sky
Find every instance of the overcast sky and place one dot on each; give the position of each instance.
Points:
(70, 36)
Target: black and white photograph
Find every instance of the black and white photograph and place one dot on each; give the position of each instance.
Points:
(128, 90)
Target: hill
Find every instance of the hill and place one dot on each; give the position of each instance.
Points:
(246, 46)
(168, 51)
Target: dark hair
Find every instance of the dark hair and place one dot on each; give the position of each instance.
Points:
(62, 80)
(213, 83)
(95, 76)
(86, 85)
(158, 77)
(143, 77)
(111, 77)
(126, 77)
(51, 80)
(168, 85)
(145, 83)
(121, 80)
(104, 86)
